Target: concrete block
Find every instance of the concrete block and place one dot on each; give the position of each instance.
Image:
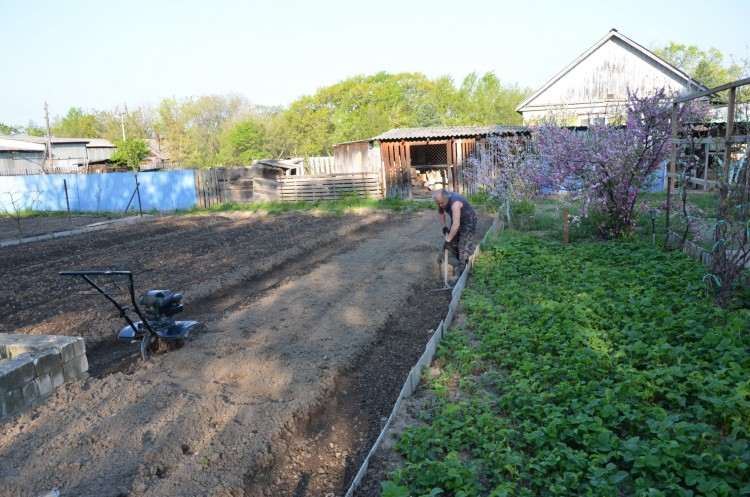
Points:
(14, 401)
(3, 410)
(44, 385)
(73, 369)
(16, 371)
(79, 346)
(30, 392)
(58, 377)
(68, 348)
(47, 361)
(84, 362)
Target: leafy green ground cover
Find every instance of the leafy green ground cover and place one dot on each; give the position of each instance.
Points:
(597, 369)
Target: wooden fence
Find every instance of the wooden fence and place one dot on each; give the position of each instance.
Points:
(318, 187)
(210, 187)
(692, 249)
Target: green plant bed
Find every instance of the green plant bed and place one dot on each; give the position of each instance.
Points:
(333, 206)
(593, 369)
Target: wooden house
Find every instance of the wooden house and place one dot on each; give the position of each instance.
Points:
(595, 86)
(416, 161)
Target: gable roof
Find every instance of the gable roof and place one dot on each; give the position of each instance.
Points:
(614, 36)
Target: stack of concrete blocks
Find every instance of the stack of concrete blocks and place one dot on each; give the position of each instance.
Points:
(33, 366)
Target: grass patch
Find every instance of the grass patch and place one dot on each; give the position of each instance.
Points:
(332, 206)
(595, 369)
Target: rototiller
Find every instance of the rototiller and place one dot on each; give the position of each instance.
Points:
(157, 329)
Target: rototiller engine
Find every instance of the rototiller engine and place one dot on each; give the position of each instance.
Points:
(157, 329)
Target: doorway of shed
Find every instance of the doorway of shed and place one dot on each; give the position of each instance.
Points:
(430, 170)
(425, 180)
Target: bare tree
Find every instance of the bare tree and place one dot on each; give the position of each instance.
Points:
(17, 205)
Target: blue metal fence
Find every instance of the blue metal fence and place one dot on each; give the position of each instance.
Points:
(159, 191)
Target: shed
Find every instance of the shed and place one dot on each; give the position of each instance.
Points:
(356, 157)
(21, 159)
(99, 152)
(416, 161)
(68, 154)
(273, 168)
(595, 85)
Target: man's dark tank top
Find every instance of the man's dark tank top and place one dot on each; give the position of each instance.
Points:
(467, 211)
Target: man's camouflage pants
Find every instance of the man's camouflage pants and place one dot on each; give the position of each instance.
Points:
(462, 245)
(466, 245)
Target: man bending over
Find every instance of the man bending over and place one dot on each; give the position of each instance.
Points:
(462, 227)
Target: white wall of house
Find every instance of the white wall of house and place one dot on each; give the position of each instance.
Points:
(596, 84)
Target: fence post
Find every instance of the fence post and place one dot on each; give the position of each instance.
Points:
(67, 201)
(565, 227)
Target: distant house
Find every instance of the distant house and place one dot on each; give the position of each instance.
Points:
(28, 155)
(157, 157)
(595, 85)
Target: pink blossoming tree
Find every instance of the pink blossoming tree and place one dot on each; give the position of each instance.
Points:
(608, 166)
(500, 167)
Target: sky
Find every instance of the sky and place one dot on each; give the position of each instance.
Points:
(104, 55)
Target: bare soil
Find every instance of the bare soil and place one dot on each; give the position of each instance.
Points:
(309, 326)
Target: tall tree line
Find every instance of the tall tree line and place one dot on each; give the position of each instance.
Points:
(227, 129)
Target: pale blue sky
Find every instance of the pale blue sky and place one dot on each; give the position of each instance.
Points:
(99, 55)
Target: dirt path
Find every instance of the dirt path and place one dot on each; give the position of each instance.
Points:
(293, 308)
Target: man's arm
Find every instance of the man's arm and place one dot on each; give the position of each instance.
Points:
(455, 220)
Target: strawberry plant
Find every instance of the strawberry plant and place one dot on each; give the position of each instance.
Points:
(596, 369)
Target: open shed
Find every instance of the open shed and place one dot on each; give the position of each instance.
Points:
(417, 161)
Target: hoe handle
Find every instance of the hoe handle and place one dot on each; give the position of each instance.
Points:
(445, 268)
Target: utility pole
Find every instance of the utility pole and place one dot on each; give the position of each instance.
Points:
(48, 161)
(122, 123)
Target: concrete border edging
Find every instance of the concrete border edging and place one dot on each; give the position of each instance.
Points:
(103, 225)
(413, 379)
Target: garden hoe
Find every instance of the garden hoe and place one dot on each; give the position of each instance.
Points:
(446, 285)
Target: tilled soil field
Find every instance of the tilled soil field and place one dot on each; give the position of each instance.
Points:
(309, 325)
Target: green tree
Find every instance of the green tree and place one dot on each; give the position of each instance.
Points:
(9, 130)
(244, 142)
(207, 117)
(357, 108)
(138, 123)
(76, 124)
(130, 152)
(484, 101)
(33, 129)
(171, 123)
(706, 67)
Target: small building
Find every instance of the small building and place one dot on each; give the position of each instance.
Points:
(21, 158)
(68, 154)
(595, 85)
(99, 152)
(356, 157)
(416, 161)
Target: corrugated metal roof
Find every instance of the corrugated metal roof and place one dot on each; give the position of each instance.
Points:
(447, 132)
(19, 148)
(100, 142)
(42, 139)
